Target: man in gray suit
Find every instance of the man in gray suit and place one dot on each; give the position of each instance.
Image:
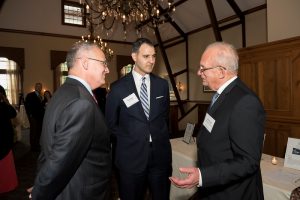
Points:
(75, 159)
(230, 139)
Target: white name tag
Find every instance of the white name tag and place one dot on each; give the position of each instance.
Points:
(208, 122)
(130, 100)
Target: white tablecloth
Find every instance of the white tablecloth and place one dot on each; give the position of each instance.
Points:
(278, 181)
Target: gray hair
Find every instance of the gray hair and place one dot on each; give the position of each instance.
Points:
(225, 55)
(76, 49)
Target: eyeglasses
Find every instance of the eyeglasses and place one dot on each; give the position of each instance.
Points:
(203, 69)
(101, 61)
(104, 62)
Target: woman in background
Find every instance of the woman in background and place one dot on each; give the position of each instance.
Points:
(8, 176)
(47, 97)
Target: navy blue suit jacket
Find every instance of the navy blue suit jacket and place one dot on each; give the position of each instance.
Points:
(132, 129)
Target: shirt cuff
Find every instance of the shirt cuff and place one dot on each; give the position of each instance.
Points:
(200, 179)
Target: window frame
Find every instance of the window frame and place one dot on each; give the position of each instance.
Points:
(74, 4)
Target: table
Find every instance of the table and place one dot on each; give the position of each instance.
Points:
(278, 181)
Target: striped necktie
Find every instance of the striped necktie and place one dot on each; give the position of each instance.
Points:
(214, 98)
(144, 97)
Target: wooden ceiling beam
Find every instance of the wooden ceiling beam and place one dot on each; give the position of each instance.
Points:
(241, 15)
(169, 70)
(213, 20)
(163, 12)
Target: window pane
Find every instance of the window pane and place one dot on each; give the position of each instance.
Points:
(73, 14)
(9, 79)
(64, 72)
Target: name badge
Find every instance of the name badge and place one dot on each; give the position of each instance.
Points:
(208, 122)
(130, 100)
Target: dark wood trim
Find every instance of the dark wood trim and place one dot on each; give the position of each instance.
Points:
(213, 20)
(56, 58)
(17, 55)
(180, 72)
(57, 35)
(227, 19)
(75, 4)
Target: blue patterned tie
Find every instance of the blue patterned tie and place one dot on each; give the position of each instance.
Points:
(144, 97)
(214, 98)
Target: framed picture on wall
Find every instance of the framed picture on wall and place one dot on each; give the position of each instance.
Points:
(207, 89)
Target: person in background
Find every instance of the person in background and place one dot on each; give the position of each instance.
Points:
(35, 112)
(8, 176)
(137, 112)
(46, 99)
(75, 159)
(231, 137)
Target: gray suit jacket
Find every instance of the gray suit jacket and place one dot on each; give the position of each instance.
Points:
(75, 161)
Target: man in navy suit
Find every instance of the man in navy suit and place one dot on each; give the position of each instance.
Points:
(230, 139)
(137, 111)
(75, 159)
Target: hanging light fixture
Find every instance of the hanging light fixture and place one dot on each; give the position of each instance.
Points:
(103, 45)
(96, 39)
(106, 13)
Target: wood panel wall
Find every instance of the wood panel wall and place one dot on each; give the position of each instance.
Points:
(272, 70)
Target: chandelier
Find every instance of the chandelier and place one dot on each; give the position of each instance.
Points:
(103, 45)
(105, 13)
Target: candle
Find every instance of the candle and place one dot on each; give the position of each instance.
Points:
(274, 161)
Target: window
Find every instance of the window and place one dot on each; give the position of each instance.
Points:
(10, 79)
(73, 13)
(126, 69)
(63, 73)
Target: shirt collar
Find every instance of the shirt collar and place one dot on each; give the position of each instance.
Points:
(137, 77)
(222, 88)
(84, 83)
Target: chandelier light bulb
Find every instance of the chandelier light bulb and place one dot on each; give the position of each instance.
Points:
(140, 12)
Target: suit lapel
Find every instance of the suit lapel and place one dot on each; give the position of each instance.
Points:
(222, 97)
(154, 92)
(138, 110)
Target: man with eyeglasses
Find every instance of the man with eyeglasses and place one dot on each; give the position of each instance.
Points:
(231, 137)
(75, 159)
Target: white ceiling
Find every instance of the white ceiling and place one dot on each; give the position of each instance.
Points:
(189, 16)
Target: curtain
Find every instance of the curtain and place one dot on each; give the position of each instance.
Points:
(13, 82)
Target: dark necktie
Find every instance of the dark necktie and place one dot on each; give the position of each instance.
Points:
(144, 97)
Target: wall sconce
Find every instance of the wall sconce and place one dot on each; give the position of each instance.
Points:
(180, 86)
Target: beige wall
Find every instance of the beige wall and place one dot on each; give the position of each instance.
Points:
(283, 19)
(256, 32)
(37, 56)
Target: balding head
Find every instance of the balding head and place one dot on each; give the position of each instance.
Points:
(218, 64)
(87, 61)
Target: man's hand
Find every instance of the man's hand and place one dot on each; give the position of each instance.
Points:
(190, 181)
(29, 190)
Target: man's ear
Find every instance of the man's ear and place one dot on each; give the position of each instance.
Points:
(222, 73)
(133, 55)
(84, 64)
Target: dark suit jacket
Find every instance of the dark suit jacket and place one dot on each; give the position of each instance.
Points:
(34, 106)
(75, 161)
(229, 156)
(132, 129)
(7, 112)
